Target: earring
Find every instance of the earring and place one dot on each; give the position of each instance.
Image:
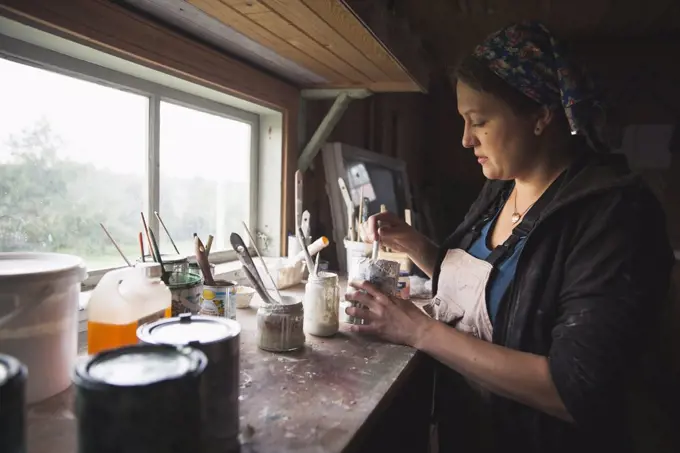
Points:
(537, 131)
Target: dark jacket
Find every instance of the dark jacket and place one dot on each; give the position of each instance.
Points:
(590, 283)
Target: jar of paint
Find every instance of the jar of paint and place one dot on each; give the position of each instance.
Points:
(383, 274)
(280, 326)
(321, 304)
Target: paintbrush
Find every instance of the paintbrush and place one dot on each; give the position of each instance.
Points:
(308, 257)
(115, 244)
(166, 231)
(146, 231)
(203, 262)
(208, 245)
(264, 265)
(141, 246)
(316, 264)
(157, 252)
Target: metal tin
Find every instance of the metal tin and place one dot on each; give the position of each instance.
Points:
(280, 326)
(12, 401)
(219, 299)
(218, 338)
(186, 291)
(140, 398)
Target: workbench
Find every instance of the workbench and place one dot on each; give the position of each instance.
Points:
(346, 393)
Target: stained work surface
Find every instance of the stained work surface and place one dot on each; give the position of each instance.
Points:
(313, 400)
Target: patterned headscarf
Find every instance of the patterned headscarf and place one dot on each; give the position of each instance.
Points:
(529, 58)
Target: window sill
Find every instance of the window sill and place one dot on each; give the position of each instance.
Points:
(231, 270)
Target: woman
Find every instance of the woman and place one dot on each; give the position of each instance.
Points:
(547, 290)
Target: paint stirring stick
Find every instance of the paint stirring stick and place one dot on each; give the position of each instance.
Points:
(266, 269)
(166, 231)
(141, 246)
(115, 244)
(376, 245)
(308, 257)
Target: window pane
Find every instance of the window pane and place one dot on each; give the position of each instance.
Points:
(205, 177)
(72, 155)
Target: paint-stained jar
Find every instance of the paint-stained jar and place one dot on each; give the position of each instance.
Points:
(280, 326)
(321, 304)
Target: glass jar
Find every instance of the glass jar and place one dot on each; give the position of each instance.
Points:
(321, 304)
(280, 326)
(383, 274)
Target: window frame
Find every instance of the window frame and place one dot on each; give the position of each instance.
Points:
(38, 57)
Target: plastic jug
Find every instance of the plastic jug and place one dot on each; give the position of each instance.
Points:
(123, 300)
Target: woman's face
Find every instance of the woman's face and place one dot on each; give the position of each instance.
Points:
(504, 143)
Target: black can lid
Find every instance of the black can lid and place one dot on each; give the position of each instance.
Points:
(140, 365)
(188, 329)
(10, 369)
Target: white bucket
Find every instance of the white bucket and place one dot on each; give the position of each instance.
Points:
(39, 295)
(354, 252)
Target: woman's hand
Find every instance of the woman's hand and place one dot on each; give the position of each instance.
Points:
(392, 232)
(399, 236)
(393, 319)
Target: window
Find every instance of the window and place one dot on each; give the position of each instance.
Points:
(72, 156)
(83, 144)
(204, 176)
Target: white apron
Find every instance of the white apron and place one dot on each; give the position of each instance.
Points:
(461, 296)
(461, 303)
(461, 290)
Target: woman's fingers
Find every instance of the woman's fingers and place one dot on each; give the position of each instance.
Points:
(375, 296)
(362, 313)
(366, 328)
(361, 298)
(385, 218)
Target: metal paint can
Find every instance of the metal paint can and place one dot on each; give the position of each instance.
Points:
(219, 299)
(186, 291)
(13, 376)
(140, 398)
(218, 338)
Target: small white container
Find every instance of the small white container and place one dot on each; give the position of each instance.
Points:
(39, 295)
(244, 294)
(321, 304)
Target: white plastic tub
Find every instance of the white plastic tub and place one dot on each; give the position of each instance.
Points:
(39, 317)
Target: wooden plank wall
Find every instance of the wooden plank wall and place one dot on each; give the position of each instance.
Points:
(105, 25)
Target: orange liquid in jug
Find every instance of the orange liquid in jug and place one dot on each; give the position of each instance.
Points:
(102, 336)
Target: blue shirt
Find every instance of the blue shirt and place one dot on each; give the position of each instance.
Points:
(504, 273)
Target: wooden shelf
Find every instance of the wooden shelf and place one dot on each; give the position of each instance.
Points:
(313, 43)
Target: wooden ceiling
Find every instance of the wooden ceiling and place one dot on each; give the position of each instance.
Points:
(453, 27)
(313, 43)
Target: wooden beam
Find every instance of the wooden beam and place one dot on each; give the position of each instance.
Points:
(296, 12)
(343, 20)
(241, 23)
(296, 36)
